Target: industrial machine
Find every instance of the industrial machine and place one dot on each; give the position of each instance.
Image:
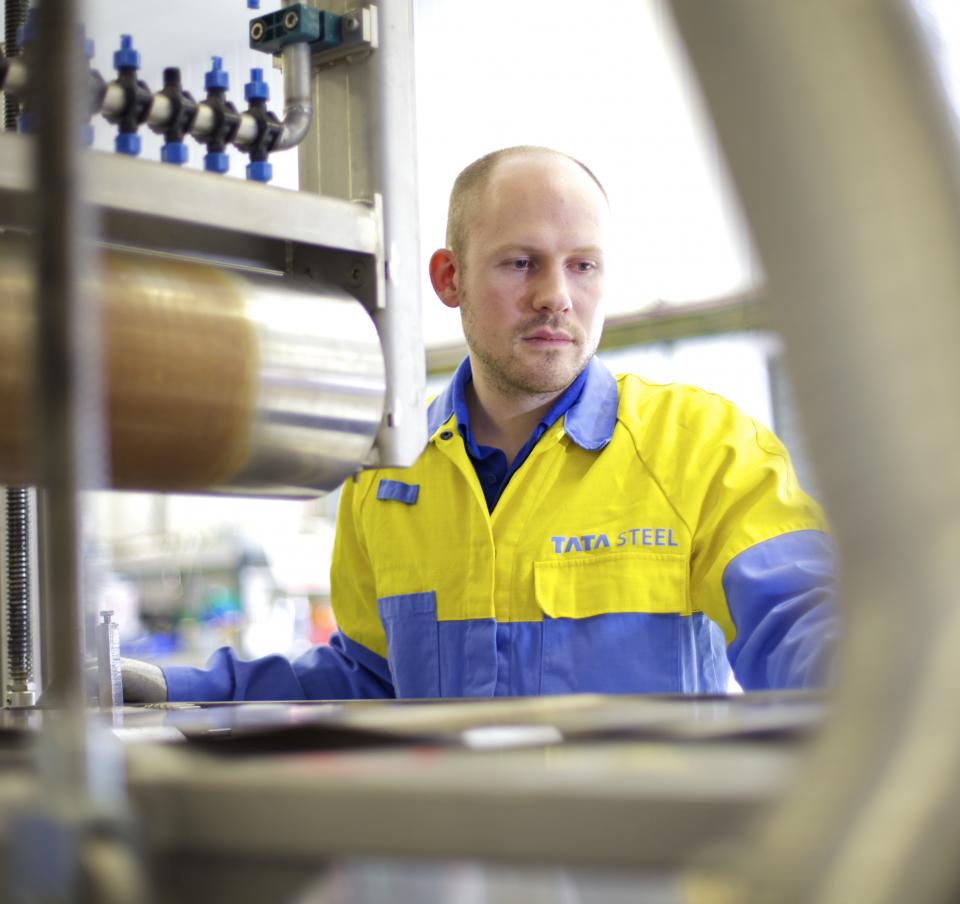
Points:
(312, 367)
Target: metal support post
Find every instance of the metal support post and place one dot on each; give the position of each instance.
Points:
(362, 147)
(75, 845)
(19, 690)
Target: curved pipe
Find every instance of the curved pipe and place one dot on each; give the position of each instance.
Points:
(297, 104)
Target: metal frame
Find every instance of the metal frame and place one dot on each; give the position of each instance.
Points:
(170, 210)
(362, 147)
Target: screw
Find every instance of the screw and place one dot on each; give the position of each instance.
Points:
(290, 20)
(256, 30)
(351, 23)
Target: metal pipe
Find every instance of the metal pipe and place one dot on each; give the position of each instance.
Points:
(297, 100)
(297, 106)
(161, 112)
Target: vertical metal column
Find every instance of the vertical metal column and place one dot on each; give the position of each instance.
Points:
(65, 358)
(19, 641)
(392, 118)
(362, 146)
(74, 845)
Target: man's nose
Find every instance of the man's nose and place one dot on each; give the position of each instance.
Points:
(553, 292)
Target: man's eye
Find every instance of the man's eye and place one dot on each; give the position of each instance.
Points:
(586, 266)
(522, 263)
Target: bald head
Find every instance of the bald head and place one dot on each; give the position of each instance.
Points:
(470, 185)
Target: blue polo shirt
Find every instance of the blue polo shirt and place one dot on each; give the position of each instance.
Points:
(493, 470)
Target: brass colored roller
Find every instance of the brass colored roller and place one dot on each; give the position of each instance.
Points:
(212, 380)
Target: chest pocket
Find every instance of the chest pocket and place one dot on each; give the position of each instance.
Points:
(612, 623)
(611, 583)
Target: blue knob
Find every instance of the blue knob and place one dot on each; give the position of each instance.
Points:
(126, 57)
(88, 45)
(256, 88)
(253, 4)
(216, 162)
(127, 143)
(175, 152)
(259, 171)
(217, 77)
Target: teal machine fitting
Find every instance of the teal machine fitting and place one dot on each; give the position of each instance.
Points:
(272, 32)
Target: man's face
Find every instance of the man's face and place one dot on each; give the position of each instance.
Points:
(530, 286)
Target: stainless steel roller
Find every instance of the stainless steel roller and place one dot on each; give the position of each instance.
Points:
(214, 381)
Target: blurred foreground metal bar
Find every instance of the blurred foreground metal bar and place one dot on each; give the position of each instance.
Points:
(65, 361)
(15, 556)
(838, 141)
(71, 845)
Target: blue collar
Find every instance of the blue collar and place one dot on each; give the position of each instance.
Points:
(589, 421)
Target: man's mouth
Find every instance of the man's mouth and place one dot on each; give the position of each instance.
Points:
(548, 337)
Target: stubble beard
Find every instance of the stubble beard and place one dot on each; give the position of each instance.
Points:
(551, 372)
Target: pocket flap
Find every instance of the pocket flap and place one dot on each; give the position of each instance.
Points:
(614, 582)
(398, 491)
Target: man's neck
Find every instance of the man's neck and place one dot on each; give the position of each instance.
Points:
(504, 421)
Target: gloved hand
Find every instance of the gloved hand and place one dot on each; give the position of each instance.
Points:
(143, 682)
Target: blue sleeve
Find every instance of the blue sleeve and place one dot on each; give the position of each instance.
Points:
(782, 597)
(342, 670)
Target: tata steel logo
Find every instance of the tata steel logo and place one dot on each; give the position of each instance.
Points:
(635, 536)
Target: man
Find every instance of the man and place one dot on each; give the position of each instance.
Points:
(562, 531)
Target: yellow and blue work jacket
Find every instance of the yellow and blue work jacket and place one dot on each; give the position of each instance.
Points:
(652, 537)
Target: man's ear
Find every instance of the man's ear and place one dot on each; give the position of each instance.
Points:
(444, 275)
